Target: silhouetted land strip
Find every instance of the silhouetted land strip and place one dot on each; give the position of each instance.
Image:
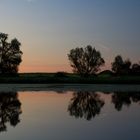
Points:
(68, 78)
(63, 88)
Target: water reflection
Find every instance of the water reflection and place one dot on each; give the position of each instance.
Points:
(119, 99)
(10, 108)
(89, 104)
(85, 104)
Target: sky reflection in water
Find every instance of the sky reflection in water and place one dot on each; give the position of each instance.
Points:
(70, 115)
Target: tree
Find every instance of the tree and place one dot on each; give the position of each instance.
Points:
(85, 61)
(120, 66)
(10, 55)
(135, 69)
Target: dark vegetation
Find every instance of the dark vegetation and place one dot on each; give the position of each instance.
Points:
(125, 67)
(10, 55)
(71, 78)
(86, 63)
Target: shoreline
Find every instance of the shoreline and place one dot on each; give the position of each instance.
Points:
(68, 78)
(60, 88)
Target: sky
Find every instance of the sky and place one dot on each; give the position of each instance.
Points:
(49, 29)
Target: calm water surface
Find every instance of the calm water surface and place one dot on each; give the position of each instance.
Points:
(80, 115)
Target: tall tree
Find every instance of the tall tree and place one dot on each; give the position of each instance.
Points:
(10, 55)
(85, 61)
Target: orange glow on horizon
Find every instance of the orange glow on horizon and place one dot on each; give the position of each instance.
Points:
(24, 68)
(52, 68)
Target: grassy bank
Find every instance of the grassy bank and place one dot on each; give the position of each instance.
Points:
(68, 78)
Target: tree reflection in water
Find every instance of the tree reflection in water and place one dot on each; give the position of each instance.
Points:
(10, 108)
(85, 104)
(124, 98)
(88, 104)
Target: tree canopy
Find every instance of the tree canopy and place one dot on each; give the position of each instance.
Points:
(10, 55)
(135, 69)
(85, 61)
(120, 66)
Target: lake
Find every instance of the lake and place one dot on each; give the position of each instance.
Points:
(70, 113)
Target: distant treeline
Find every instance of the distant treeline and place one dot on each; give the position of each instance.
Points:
(87, 61)
(84, 61)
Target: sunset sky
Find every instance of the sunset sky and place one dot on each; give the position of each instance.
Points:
(48, 29)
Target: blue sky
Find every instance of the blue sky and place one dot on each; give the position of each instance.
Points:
(48, 29)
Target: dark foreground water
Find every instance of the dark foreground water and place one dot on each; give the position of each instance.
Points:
(79, 115)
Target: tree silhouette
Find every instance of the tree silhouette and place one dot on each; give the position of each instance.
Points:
(85, 105)
(85, 61)
(135, 69)
(10, 108)
(10, 55)
(120, 66)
